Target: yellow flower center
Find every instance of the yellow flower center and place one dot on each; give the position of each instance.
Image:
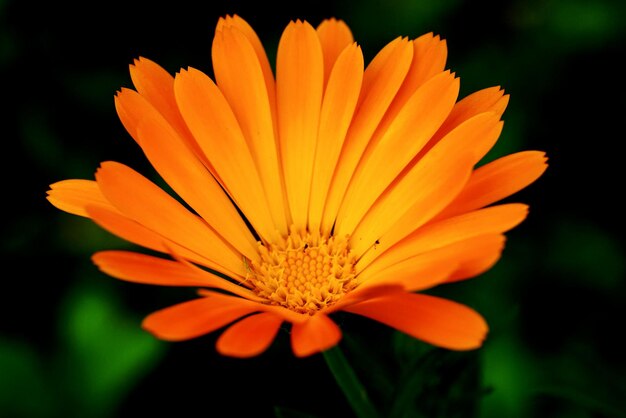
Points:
(304, 273)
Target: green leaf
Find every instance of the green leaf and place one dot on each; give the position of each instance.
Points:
(104, 351)
(348, 381)
(434, 382)
(512, 373)
(372, 365)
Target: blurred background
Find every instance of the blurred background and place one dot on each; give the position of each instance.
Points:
(70, 338)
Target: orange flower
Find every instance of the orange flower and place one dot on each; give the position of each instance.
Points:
(329, 187)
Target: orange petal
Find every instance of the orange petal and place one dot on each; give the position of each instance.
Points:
(239, 76)
(362, 293)
(143, 201)
(73, 196)
(249, 337)
(498, 179)
(234, 284)
(491, 99)
(478, 255)
(392, 149)
(340, 98)
(429, 59)
(287, 314)
(132, 108)
(196, 317)
(237, 22)
(195, 185)
(84, 198)
(316, 334)
(334, 36)
(438, 177)
(381, 81)
(128, 120)
(416, 273)
(128, 229)
(487, 101)
(430, 185)
(185, 173)
(140, 268)
(299, 89)
(457, 261)
(430, 55)
(437, 321)
(399, 54)
(213, 124)
(482, 141)
(156, 85)
(493, 220)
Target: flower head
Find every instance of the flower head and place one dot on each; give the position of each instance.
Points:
(331, 186)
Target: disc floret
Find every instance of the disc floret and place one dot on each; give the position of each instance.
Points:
(303, 272)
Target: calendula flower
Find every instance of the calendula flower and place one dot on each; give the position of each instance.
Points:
(331, 186)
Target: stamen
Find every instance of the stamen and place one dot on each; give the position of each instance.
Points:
(303, 272)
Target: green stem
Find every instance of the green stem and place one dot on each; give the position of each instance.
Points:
(349, 383)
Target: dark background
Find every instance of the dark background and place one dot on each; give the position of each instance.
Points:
(70, 338)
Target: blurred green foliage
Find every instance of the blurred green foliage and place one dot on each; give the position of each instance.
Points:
(71, 343)
(99, 355)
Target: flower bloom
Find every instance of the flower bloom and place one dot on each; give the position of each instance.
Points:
(329, 186)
